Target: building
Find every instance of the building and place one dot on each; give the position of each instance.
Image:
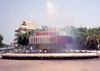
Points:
(24, 27)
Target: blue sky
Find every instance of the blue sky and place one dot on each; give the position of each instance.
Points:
(62, 13)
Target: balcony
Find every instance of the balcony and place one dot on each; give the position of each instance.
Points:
(23, 27)
(19, 33)
(16, 39)
(16, 30)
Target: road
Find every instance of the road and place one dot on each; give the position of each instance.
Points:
(50, 65)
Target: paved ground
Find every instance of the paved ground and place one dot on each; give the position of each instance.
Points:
(50, 65)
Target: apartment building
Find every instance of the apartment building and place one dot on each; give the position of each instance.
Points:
(24, 27)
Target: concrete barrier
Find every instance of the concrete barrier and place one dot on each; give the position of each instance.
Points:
(14, 55)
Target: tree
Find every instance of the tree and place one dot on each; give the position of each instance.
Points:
(32, 32)
(69, 29)
(91, 38)
(24, 39)
(1, 38)
(38, 29)
(77, 34)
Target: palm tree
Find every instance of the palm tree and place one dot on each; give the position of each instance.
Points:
(91, 38)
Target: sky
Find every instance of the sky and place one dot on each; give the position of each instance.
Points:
(57, 13)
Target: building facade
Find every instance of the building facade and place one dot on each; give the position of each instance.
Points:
(25, 27)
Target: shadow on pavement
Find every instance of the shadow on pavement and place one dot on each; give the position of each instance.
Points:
(48, 58)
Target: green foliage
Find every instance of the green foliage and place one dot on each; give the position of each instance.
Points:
(78, 32)
(69, 30)
(32, 32)
(38, 29)
(1, 44)
(75, 32)
(24, 39)
(91, 38)
(1, 38)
